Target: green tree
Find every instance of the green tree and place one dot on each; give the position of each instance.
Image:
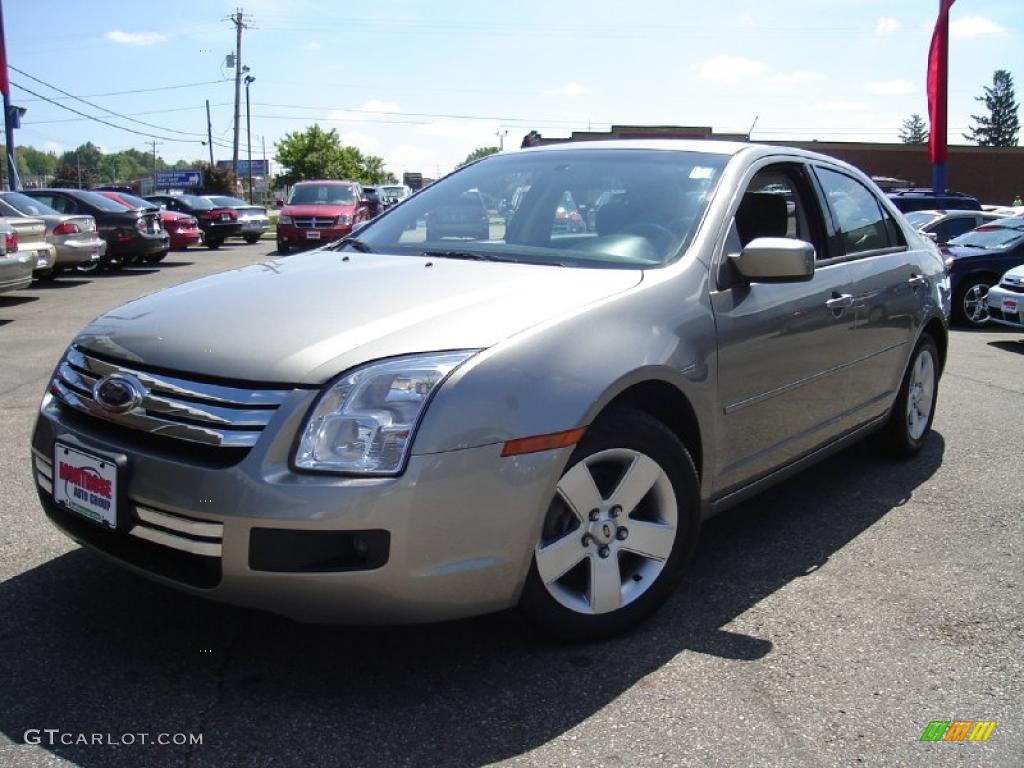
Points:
(1000, 126)
(318, 154)
(68, 177)
(217, 180)
(88, 155)
(914, 130)
(477, 153)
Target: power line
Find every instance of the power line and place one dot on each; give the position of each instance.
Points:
(134, 91)
(101, 120)
(102, 109)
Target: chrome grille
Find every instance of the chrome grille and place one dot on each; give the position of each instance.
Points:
(211, 414)
(313, 222)
(199, 537)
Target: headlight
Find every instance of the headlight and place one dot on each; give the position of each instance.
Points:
(365, 421)
(284, 219)
(344, 220)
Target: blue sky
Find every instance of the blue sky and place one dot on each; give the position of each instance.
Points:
(424, 83)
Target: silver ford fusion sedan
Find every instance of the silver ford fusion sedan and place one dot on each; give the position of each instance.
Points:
(401, 429)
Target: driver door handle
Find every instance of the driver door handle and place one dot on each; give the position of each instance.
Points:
(839, 302)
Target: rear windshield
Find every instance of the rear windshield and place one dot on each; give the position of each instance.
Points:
(322, 194)
(992, 236)
(28, 205)
(196, 203)
(96, 200)
(136, 202)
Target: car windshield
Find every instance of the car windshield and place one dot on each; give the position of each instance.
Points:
(392, 191)
(920, 219)
(228, 202)
(992, 236)
(27, 205)
(96, 200)
(657, 199)
(322, 194)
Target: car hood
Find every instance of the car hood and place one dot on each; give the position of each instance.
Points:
(321, 210)
(1017, 273)
(966, 251)
(306, 318)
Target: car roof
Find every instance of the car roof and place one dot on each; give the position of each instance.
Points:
(337, 182)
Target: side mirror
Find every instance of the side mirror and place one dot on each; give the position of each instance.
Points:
(775, 260)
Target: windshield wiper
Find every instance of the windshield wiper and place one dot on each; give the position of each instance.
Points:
(356, 243)
(467, 255)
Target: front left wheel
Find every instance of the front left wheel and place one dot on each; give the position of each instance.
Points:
(618, 532)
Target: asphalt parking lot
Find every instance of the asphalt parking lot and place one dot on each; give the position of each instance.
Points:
(825, 622)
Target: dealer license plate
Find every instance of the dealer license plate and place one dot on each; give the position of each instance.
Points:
(86, 484)
(1009, 306)
(41, 258)
(313, 235)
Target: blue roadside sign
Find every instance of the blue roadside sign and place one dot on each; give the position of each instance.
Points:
(177, 179)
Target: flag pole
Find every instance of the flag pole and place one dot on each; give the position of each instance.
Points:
(938, 87)
(5, 87)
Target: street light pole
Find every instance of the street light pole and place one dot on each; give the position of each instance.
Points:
(249, 80)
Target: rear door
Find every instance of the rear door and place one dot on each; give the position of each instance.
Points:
(890, 288)
(784, 349)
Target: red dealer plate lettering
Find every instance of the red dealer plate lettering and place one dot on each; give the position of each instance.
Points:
(85, 484)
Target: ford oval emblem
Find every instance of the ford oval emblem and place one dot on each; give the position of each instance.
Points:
(118, 393)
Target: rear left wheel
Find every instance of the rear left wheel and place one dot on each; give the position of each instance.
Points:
(618, 532)
(911, 418)
(252, 239)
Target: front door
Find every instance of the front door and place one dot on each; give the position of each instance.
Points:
(783, 348)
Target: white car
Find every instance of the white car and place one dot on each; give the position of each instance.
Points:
(943, 226)
(1006, 300)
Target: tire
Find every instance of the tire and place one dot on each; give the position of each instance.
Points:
(969, 305)
(87, 267)
(572, 547)
(252, 239)
(115, 264)
(49, 275)
(282, 248)
(912, 414)
(156, 258)
(214, 243)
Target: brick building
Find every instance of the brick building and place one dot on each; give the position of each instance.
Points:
(992, 174)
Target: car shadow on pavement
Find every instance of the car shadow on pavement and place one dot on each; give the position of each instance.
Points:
(88, 648)
(171, 263)
(58, 284)
(1011, 346)
(13, 301)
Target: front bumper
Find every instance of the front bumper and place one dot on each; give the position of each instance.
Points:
(300, 237)
(1005, 307)
(460, 525)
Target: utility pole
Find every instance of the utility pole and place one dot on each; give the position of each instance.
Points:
(238, 19)
(501, 138)
(209, 133)
(249, 80)
(78, 162)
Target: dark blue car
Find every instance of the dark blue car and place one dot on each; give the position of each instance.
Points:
(976, 260)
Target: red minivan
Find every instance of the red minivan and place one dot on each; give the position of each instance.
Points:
(318, 212)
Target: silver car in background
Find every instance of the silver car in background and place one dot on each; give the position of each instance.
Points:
(397, 429)
(15, 266)
(253, 218)
(1006, 300)
(31, 239)
(943, 226)
(74, 239)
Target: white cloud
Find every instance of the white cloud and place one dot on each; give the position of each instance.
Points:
(730, 69)
(746, 20)
(313, 45)
(569, 89)
(889, 87)
(733, 70)
(974, 26)
(841, 105)
(482, 132)
(412, 157)
(796, 77)
(887, 25)
(135, 38)
(362, 142)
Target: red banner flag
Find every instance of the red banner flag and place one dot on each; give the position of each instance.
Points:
(938, 76)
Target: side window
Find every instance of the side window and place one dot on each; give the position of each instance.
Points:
(861, 221)
(777, 203)
(59, 203)
(951, 228)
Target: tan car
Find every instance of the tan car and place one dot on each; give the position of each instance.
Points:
(15, 266)
(74, 238)
(32, 241)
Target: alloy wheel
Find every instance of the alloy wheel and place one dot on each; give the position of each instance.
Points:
(976, 303)
(608, 532)
(921, 394)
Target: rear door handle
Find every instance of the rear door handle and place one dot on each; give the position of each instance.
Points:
(839, 302)
(917, 281)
